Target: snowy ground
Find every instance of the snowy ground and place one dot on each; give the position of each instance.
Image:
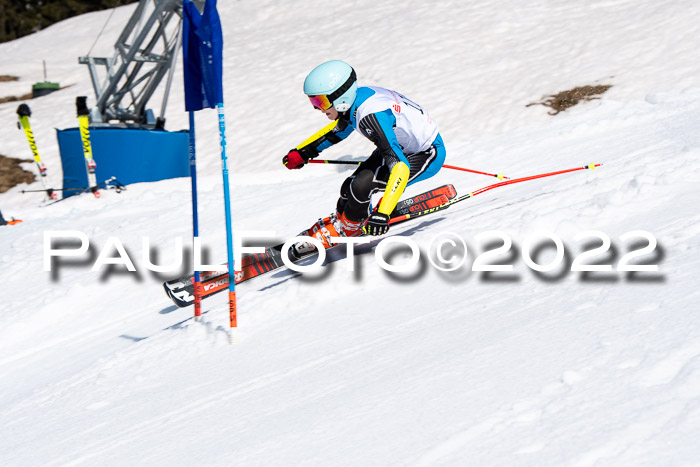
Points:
(372, 368)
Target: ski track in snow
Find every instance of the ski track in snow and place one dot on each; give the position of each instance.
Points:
(366, 367)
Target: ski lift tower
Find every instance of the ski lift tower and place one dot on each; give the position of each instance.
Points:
(128, 140)
(144, 53)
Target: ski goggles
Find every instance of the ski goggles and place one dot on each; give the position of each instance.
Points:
(321, 102)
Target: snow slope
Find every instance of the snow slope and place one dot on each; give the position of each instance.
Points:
(368, 367)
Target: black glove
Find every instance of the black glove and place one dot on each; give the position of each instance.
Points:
(377, 224)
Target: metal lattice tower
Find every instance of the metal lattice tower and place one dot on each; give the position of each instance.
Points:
(146, 49)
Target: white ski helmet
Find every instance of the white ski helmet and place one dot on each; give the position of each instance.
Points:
(332, 83)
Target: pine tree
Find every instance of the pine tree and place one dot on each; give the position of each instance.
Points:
(21, 17)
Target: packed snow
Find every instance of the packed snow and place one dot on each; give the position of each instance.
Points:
(368, 367)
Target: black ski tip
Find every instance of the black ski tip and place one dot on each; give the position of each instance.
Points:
(178, 301)
(23, 111)
(81, 105)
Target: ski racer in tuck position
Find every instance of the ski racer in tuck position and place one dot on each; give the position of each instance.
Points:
(409, 148)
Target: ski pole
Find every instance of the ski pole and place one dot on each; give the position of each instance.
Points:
(498, 176)
(446, 205)
(116, 185)
(326, 161)
(57, 189)
(54, 189)
(79, 191)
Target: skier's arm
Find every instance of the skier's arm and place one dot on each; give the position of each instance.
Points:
(329, 135)
(379, 127)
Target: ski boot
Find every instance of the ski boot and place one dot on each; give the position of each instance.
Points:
(325, 229)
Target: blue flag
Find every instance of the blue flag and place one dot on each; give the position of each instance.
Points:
(202, 52)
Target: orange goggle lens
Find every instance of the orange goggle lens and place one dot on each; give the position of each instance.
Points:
(320, 102)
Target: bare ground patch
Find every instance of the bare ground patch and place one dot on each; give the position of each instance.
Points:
(24, 97)
(7, 78)
(12, 173)
(565, 99)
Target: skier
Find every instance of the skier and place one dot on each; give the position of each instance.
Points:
(409, 148)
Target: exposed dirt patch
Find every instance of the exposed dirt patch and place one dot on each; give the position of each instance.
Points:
(565, 99)
(12, 174)
(24, 97)
(6, 78)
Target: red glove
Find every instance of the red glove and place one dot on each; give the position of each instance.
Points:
(293, 160)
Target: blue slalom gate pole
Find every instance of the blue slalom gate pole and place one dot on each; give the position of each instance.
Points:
(195, 217)
(202, 46)
(229, 227)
